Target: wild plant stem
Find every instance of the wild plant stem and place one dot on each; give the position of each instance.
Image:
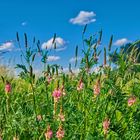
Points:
(34, 100)
(7, 104)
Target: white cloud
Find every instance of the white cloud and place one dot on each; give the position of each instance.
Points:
(73, 59)
(66, 69)
(24, 23)
(83, 18)
(61, 49)
(121, 42)
(60, 42)
(75, 70)
(53, 58)
(6, 46)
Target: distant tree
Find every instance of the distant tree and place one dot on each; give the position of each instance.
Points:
(130, 50)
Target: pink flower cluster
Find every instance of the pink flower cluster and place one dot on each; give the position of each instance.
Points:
(106, 124)
(49, 133)
(56, 94)
(96, 88)
(60, 133)
(61, 117)
(131, 101)
(80, 85)
(8, 87)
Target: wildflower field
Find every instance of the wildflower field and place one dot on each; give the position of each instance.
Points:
(99, 102)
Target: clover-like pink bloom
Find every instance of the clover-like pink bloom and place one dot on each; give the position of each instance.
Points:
(49, 133)
(106, 124)
(96, 88)
(8, 87)
(60, 133)
(61, 117)
(131, 101)
(80, 86)
(56, 94)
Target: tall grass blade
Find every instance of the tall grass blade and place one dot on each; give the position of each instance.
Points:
(76, 55)
(85, 27)
(104, 56)
(54, 37)
(110, 43)
(100, 36)
(26, 41)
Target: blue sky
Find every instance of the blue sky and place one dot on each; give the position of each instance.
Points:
(43, 18)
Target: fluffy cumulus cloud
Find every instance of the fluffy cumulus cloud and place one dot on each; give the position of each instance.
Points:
(73, 59)
(61, 49)
(74, 70)
(53, 58)
(60, 43)
(83, 18)
(121, 42)
(7, 46)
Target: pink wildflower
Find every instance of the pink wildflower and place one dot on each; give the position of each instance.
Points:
(131, 101)
(106, 124)
(97, 88)
(60, 133)
(80, 85)
(56, 94)
(61, 117)
(49, 133)
(8, 87)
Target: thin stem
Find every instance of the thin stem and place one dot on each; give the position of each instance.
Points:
(34, 100)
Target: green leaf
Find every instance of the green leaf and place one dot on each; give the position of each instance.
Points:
(118, 115)
(23, 67)
(3, 80)
(33, 57)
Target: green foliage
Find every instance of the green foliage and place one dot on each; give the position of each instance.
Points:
(131, 49)
(84, 109)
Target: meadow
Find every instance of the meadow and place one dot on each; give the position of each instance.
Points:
(100, 102)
